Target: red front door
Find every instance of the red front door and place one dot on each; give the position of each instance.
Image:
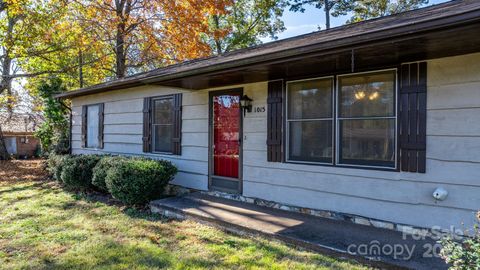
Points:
(226, 140)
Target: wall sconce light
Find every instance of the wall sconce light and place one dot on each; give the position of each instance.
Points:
(246, 104)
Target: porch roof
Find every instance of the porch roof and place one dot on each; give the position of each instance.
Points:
(441, 30)
(19, 123)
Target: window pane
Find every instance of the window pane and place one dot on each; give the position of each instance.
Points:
(367, 95)
(163, 138)
(92, 126)
(310, 99)
(163, 111)
(368, 142)
(310, 141)
(11, 144)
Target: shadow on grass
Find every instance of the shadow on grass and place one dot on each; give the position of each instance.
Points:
(234, 242)
(95, 197)
(112, 254)
(37, 185)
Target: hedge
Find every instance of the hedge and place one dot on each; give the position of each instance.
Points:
(137, 181)
(101, 169)
(134, 181)
(55, 165)
(77, 171)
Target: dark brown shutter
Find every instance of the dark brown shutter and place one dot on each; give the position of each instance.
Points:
(413, 117)
(147, 125)
(100, 124)
(274, 121)
(84, 126)
(177, 125)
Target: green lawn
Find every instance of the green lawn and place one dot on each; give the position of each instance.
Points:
(44, 227)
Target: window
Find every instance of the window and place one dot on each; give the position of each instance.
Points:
(93, 126)
(162, 124)
(365, 120)
(310, 120)
(11, 145)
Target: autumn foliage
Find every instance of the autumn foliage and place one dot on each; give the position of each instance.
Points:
(144, 34)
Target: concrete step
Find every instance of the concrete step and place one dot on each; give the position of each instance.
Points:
(331, 237)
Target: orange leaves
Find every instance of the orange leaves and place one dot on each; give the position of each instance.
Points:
(114, 37)
(156, 32)
(186, 22)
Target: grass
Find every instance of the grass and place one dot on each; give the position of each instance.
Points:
(44, 227)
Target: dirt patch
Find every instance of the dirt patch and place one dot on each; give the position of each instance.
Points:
(22, 170)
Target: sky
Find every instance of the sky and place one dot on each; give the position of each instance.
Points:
(296, 23)
(302, 23)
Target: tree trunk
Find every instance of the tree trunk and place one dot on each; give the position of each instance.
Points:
(3, 5)
(120, 55)
(6, 79)
(3, 148)
(80, 68)
(327, 14)
(218, 43)
(120, 51)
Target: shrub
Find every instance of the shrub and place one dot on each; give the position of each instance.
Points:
(138, 181)
(464, 254)
(101, 169)
(77, 171)
(55, 165)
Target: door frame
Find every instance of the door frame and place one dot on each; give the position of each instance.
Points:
(211, 94)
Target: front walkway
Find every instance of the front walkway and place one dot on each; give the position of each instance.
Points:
(377, 247)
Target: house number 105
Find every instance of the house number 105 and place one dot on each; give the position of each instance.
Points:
(259, 109)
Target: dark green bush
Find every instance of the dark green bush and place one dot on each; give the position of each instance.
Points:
(55, 165)
(77, 171)
(137, 181)
(100, 171)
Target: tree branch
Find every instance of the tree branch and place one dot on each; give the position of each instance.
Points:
(59, 71)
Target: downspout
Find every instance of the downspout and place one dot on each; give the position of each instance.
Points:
(70, 126)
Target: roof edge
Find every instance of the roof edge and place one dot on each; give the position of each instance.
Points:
(376, 35)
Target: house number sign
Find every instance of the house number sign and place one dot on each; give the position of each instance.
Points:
(260, 109)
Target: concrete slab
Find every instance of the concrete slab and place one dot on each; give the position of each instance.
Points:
(377, 247)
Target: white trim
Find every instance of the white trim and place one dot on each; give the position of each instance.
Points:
(366, 118)
(309, 119)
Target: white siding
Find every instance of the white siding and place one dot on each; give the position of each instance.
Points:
(123, 129)
(453, 147)
(453, 162)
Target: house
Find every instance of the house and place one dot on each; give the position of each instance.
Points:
(17, 130)
(367, 120)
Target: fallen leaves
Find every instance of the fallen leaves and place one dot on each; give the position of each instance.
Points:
(22, 170)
